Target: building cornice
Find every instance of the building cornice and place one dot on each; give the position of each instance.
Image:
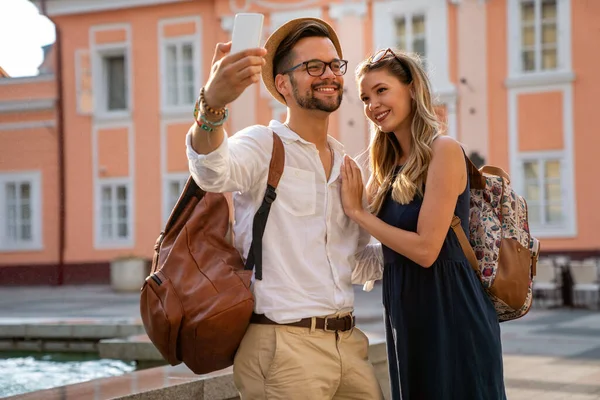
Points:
(69, 7)
(26, 105)
(338, 11)
(26, 79)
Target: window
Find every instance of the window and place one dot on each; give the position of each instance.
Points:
(543, 192)
(115, 212)
(111, 82)
(174, 185)
(420, 27)
(539, 35)
(410, 34)
(116, 83)
(20, 211)
(180, 56)
(180, 74)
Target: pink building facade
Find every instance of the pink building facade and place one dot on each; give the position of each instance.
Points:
(513, 79)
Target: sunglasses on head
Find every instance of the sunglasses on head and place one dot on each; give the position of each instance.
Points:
(387, 54)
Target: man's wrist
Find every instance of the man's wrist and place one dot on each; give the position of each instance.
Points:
(208, 104)
(206, 117)
(211, 117)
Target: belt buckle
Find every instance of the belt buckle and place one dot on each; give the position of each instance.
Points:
(326, 327)
(349, 317)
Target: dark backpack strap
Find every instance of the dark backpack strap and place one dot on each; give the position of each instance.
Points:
(254, 259)
(476, 179)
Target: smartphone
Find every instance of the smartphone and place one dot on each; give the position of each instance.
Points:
(247, 31)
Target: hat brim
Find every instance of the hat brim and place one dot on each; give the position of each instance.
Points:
(273, 43)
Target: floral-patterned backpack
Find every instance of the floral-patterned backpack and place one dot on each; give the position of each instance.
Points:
(501, 250)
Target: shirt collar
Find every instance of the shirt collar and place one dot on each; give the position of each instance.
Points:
(288, 136)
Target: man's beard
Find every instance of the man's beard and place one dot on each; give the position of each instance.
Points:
(312, 103)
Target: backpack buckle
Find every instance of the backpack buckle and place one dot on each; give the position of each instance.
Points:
(270, 194)
(455, 222)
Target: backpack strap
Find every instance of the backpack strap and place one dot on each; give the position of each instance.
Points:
(491, 170)
(464, 243)
(259, 224)
(477, 182)
(475, 175)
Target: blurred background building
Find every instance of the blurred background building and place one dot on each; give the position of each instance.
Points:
(92, 155)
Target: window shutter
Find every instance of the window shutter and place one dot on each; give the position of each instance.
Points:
(83, 84)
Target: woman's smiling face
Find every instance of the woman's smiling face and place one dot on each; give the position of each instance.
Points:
(387, 101)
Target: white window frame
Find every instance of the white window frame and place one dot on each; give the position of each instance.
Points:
(409, 38)
(101, 85)
(99, 76)
(437, 58)
(568, 226)
(196, 41)
(179, 42)
(566, 155)
(114, 243)
(436, 35)
(167, 202)
(541, 182)
(34, 178)
(563, 71)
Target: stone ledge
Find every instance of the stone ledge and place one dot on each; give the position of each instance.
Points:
(220, 386)
(176, 382)
(70, 329)
(132, 348)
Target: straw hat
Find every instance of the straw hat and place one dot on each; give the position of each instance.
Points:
(273, 43)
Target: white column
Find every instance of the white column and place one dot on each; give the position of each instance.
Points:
(353, 129)
(451, 119)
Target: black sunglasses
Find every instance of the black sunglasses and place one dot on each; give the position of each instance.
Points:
(386, 54)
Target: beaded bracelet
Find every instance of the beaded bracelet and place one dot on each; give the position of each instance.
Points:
(207, 125)
(203, 126)
(206, 107)
(215, 123)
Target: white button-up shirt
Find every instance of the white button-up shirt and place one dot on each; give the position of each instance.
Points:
(312, 252)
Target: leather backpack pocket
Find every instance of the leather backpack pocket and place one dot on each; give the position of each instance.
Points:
(162, 312)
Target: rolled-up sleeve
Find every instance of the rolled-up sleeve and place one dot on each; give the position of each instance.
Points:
(369, 266)
(236, 164)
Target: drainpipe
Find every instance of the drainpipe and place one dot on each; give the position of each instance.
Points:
(61, 149)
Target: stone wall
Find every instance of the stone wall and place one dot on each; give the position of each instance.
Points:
(221, 387)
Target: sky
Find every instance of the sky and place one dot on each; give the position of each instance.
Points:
(23, 32)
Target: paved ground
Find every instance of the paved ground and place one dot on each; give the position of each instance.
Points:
(548, 354)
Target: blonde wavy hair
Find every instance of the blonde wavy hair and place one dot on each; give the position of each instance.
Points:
(384, 149)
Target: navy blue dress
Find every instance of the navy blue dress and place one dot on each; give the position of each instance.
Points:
(443, 336)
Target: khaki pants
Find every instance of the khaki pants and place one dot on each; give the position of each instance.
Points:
(293, 363)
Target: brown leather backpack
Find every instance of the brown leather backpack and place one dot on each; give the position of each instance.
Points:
(196, 303)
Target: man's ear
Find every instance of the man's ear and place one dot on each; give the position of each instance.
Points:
(282, 84)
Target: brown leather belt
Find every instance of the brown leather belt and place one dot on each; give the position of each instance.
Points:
(329, 324)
